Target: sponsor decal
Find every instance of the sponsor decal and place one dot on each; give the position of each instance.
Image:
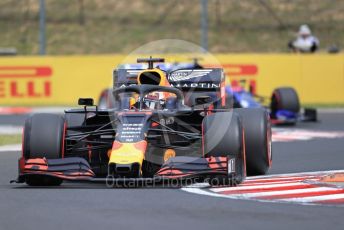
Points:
(183, 75)
(231, 166)
(130, 132)
(25, 81)
(203, 85)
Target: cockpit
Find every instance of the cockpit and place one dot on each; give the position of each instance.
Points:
(148, 97)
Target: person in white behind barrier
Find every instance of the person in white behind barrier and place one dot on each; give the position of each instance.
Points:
(305, 41)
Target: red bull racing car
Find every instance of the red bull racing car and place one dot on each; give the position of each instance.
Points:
(163, 127)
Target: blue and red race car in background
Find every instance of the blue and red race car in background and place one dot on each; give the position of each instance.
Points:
(283, 104)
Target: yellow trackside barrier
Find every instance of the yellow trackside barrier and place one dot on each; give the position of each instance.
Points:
(54, 80)
(61, 80)
(317, 78)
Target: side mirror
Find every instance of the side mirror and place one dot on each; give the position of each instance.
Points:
(86, 101)
(203, 100)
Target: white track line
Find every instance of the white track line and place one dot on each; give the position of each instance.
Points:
(276, 176)
(281, 185)
(330, 110)
(314, 198)
(8, 148)
(204, 192)
(10, 129)
(51, 109)
(287, 135)
(279, 178)
(244, 185)
(261, 195)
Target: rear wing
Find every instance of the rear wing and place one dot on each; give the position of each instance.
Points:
(184, 79)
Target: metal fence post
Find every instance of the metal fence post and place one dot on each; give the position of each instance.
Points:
(204, 24)
(42, 37)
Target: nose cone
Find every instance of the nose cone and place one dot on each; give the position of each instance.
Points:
(126, 157)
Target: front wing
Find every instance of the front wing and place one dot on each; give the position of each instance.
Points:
(78, 169)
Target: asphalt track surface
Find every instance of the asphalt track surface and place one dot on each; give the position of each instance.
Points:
(84, 206)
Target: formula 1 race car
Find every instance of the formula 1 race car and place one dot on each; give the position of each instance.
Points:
(161, 128)
(283, 105)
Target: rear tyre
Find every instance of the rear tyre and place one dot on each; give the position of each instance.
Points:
(44, 138)
(285, 98)
(257, 130)
(221, 139)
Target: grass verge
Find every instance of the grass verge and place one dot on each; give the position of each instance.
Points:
(98, 26)
(10, 139)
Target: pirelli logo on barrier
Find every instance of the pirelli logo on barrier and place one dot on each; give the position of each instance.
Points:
(240, 72)
(25, 81)
(246, 72)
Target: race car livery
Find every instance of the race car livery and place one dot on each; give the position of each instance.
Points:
(155, 131)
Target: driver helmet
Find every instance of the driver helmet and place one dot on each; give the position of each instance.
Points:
(304, 30)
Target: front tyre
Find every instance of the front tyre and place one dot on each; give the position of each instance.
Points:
(223, 137)
(44, 138)
(257, 128)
